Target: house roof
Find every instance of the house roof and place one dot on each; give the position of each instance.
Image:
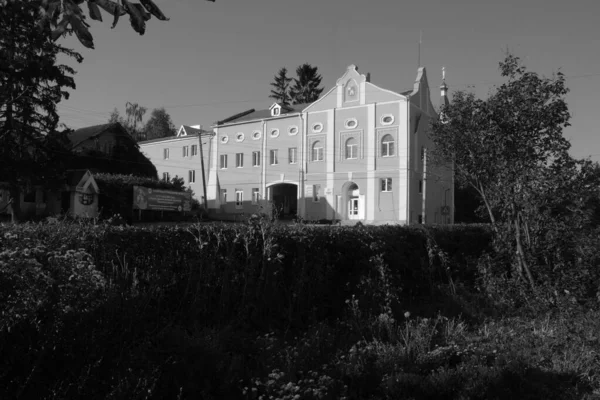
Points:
(81, 135)
(190, 132)
(251, 115)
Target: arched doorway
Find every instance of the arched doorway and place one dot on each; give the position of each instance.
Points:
(353, 202)
(284, 199)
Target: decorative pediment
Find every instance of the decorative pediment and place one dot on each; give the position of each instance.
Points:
(351, 73)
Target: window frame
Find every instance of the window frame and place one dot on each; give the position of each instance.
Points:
(223, 165)
(293, 128)
(192, 176)
(239, 198)
(194, 150)
(293, 151)
(223, 196)
(165, 153)
(420, 186)
(318, 151)
(274, 157)
(186, 151)
(385, 144)
(256, 158)
(239, 160)
(353, 149)
(384, 116)
(349, 121)
(386, 185)
(315, 194)
(255, 196)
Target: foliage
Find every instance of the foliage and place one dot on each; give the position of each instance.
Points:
(32, 83)
(281, 84)
(260, 309)
(306, 86)
(510, 149)
(116, 191)
(159, 125)
(62, 17)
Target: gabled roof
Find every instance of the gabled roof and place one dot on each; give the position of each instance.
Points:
(190, 131)
(81, 179)
(81, 135)
(251, 115)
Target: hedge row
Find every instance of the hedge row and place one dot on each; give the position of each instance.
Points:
(254, 277)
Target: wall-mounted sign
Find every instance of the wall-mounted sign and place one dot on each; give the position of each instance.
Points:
(159, 199)
(445, 210)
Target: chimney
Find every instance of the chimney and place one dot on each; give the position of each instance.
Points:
(368, 77)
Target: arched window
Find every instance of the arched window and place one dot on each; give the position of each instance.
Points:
(351, 149)
(387, 146)
(317, 151)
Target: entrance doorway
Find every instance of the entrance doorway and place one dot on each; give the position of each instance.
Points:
(284, 198)
(353, 203)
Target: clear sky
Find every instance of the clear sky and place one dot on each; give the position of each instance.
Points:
(213, 60)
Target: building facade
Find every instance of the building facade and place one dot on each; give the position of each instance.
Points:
(357, 153)
(179, 156)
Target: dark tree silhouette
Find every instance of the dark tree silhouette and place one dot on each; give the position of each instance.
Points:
(306, 86)
(281, 87)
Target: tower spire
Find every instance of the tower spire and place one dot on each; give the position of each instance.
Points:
(444, 90)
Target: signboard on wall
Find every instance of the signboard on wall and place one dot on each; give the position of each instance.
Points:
(159, 199)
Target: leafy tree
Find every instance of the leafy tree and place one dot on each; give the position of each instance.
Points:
(281, 87)
(510, 149)
(32, 82)
(135, 114)
(66, 16)
(159, 125)
(306, 86)
(115, 116)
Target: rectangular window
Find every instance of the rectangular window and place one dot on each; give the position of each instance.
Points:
(239, 198)
(186, 151)
(273, 157)
(256, 158)
(386, 184)
(223, 196)
(194, 150)
(239, 160)
(387, 149)
(420, 219)
(166, 154)
(255, 196)
(316, 189)
(223, 161)
(420, 186)
(166, 176)
(192, 176)
(317, 154)
(293, 155)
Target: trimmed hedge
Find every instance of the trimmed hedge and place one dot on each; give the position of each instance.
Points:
(257, 277)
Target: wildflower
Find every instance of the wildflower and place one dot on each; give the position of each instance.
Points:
(407, 314)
